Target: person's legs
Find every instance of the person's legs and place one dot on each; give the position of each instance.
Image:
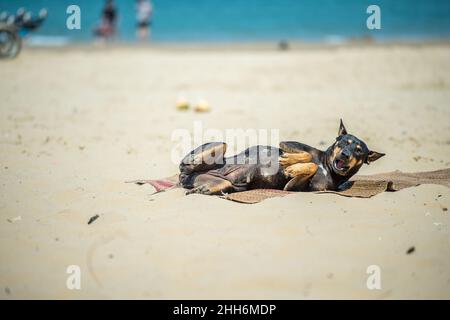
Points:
(142, 33)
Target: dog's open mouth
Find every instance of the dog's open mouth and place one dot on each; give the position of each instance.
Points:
(340, 165)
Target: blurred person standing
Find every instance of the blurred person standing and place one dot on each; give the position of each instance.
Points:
(107, 27)
(144, 10)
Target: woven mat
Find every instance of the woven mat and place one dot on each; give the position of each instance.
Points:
(358, 186)
(256, 195)
(368, 186)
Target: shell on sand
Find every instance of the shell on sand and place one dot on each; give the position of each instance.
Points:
(182, 104)
(202, 106)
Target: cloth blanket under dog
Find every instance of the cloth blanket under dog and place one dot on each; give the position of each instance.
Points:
(359, 186)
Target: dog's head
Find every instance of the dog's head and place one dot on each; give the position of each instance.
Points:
(349, 153)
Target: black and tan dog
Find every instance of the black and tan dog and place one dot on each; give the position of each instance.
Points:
(293, 166)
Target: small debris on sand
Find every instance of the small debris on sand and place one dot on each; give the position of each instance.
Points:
(7, 291)
(283, 45)
(202, 106)
(411, 250)
(93, 218)
(15, 219)
(182, 104)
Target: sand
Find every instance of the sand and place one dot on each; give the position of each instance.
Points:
(76, 123)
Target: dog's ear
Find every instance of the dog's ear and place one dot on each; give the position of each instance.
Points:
(342, 129)
(373, 156)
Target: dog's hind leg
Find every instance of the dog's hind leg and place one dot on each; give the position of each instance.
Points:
(300, 174)
(200, 160)
(206, 157)
(210, 185)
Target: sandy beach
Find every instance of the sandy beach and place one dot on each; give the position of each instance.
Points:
(78, 122)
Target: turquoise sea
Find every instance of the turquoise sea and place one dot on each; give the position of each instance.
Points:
(252, 20)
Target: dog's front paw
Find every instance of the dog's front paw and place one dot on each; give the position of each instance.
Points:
(288, 159)
(291, 171)
(284, 161)
(300, 169)
(203, 189)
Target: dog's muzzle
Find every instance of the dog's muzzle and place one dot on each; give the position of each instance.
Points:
(341, 164)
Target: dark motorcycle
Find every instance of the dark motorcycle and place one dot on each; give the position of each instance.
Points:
(14, 27)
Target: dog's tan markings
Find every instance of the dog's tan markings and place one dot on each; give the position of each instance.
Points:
(352, 163)
(217, 187)
(211, 155)
(288, 159)
(336, 150)
(301, 169)
(208, 184)
(300, 173)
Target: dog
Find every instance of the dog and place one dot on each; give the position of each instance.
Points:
(293, 166)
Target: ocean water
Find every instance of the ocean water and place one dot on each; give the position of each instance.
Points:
(252, 20)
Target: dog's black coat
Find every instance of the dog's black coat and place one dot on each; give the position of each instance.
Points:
(258, 166)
